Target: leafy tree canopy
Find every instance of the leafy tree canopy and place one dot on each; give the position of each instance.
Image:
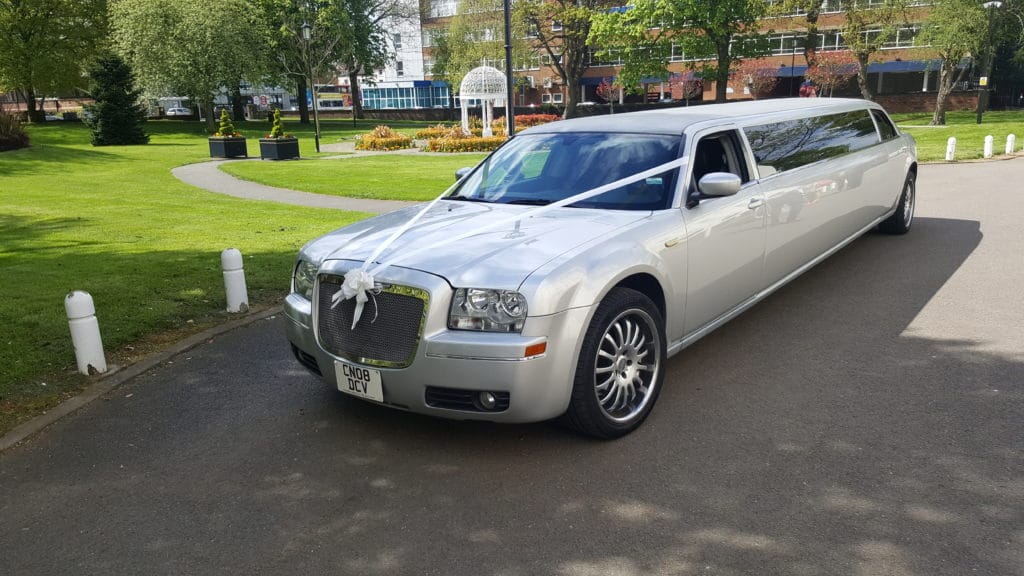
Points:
(643, 34)
(45, 44)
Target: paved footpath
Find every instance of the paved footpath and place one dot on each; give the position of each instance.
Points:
(867, 419)
(209, 176)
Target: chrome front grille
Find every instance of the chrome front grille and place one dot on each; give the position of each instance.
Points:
(388, 331)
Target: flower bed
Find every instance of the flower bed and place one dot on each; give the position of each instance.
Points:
(465, 144)
(383, 138)
(437, 131)
(527, 120)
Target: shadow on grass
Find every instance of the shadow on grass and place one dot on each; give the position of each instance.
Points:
(137, 293)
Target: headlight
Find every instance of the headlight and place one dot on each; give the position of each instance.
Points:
(487, 310)
(303, 279)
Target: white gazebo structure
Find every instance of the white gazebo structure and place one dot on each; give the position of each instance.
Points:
(487, 84)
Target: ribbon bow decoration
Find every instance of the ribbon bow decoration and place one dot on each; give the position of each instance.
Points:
(358, 284)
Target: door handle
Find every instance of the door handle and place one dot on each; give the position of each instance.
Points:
(755, 203)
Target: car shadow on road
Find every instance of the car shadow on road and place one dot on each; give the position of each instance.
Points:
(814, 434)
(824, 431)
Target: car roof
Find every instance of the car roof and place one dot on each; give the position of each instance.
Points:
(676, 120)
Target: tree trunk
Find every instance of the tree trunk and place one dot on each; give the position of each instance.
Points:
(862, 78)
(35, 113)
(211, 126)
(722, 74)
(357, 98)
(237, 106)
(300, 90)
(572, 96)
(811, 40)
(949, 75)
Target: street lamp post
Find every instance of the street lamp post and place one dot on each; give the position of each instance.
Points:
(509, 88)
(989, 57)
(307, 36)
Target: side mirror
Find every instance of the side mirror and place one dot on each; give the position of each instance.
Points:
(461, 173)
(719, 184)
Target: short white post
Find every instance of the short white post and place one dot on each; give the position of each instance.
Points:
(988, 146)
(951, 149)
(85, 333)
(234, 280)
(1011, 143)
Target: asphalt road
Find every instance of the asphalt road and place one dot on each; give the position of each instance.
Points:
(868, 419)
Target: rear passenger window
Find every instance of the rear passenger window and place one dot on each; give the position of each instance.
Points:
(782, 146)
(885, 126)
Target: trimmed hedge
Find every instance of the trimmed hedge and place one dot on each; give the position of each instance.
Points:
(383, 138)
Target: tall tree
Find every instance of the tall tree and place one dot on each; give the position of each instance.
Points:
(868, 27)
(45, 45)
(955, 29)
(811, 10)
(366, 48)
(643, 36)
(561, 28)
(190, 47)
(475, 36)
(118, 116)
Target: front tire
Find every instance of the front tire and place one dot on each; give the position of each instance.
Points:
(620, 368)
(899, 222)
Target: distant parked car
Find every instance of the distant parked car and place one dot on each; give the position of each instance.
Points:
(51, 117)
(178, 112)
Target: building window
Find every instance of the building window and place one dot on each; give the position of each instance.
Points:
(556, 26)
(397, 40)
(427, 37)
(556, 97)
(545, 98)
(443, 8)
(531, 30)
(428, 66)
(399, 68)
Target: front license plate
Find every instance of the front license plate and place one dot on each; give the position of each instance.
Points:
(359, 380)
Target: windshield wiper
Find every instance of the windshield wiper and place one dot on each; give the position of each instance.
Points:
(465, 199)
(530, 201)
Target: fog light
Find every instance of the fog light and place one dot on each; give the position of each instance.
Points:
(487, 400)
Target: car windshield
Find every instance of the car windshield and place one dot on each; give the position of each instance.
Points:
(538, 169)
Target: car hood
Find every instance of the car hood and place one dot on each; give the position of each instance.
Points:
(496, 258)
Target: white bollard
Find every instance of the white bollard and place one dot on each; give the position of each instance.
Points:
(951, 149)
(234, 280)
(85, 333)
(988, 146)
(1011, 143)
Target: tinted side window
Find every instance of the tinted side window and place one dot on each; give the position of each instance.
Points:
(790, 144)
(885, 126)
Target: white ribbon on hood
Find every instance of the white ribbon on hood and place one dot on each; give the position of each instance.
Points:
(359, 283)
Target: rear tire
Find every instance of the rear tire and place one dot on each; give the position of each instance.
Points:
(620, 368)
(901, 219)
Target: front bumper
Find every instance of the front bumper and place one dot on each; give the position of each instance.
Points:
(539, 387)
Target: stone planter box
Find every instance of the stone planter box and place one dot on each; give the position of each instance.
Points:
(279, 148)
(228, 148)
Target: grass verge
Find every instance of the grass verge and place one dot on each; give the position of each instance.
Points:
(931, 140)
(113, 221)
(387, 176)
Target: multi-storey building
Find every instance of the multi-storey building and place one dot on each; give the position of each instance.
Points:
(902, 67)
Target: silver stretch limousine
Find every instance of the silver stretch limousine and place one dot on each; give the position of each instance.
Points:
(557, 276)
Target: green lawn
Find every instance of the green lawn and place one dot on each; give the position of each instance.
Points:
(113, 221)
(970, 137)
(388, 176)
